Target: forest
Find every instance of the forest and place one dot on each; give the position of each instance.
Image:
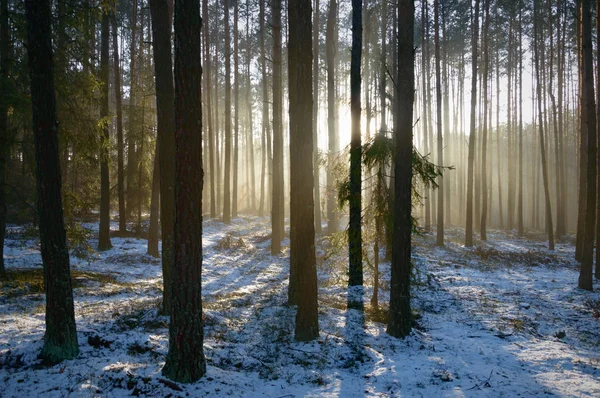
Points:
(290, 198)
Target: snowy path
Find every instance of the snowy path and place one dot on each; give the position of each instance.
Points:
(487, 325)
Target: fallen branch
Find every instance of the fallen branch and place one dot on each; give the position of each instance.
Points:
(170, 384)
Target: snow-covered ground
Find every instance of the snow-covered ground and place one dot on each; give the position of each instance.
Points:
(501, 319)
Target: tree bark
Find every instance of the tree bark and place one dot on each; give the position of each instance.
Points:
(154, 206)
(277, 216)
(4, 141)
(355, 229)
(132, 121)
(208, 88)
(165, 97)
(60, 338)
(484, 132)
(440, 144)
(549, 226)
(303, 270)
(588, 116)
(227, 166)
(104, 235)
(400, 319)
(185, 360)
(472, 128)
(331, 42)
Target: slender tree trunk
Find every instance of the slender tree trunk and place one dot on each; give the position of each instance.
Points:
(332, 213)
(426, 115)
(303, 270)
(154, 206)
(4, 139)
(227, 167)
(265, 108)
(165, 97)
(208, 88)
(252, 190)
(104, 235)
(590, 82)
(588, 116)
(277, 216)
(440, 144)
(185, 360)
(120, 146)
(509, 134)
(520, 226)
(355, 229)
(133, 122)
(542, 139)
(60, 338)
(484, 132)
(316, 167)
(472, 129)
(400, 319)
(236, 102)
(561, 221)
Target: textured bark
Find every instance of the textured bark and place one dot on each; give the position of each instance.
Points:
(440, 143)
(209, 118)
(589, 120)
(399, 320)
(597, 126)
(303, 270)
(549, 226)
(472, 130)
(104, 235)
(120, 146)
(484, 132)
(520, 226)
(331, 42)
(355, 229)
(250, 138)
(154, 206)
(236, 103)
(277, 215)
(132, 120)
(165, 97)
(425, 121)
(265, 109)
(316, 167)
(185, 360)
(227, 166)
(60, 339)
(4, 141)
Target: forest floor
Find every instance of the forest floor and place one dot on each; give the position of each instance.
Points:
(504, 318)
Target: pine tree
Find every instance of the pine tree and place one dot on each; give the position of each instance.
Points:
(185, 360)
(303, 269)
(60, 339)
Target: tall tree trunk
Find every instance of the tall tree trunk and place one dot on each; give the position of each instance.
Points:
(277, 216)
(104, 234)
(332, 213)
(590, 81)
(60, 339)
(265, 108)
(165, 97)
(132, 120)
(252, 190)
(400, 319)
(440, 144)
(549, 227)
(426, 108)
(227, 167)
(355, 228)
(561, 219)
(154, 205)
(185, 360)
(303, 270)
(120, 147)
(588, 117)
(472, 128)
(520, 227)
(236, 118)
(208, 88)
(4, 140)
(509, 68)
(484, 132)
(316, 167)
